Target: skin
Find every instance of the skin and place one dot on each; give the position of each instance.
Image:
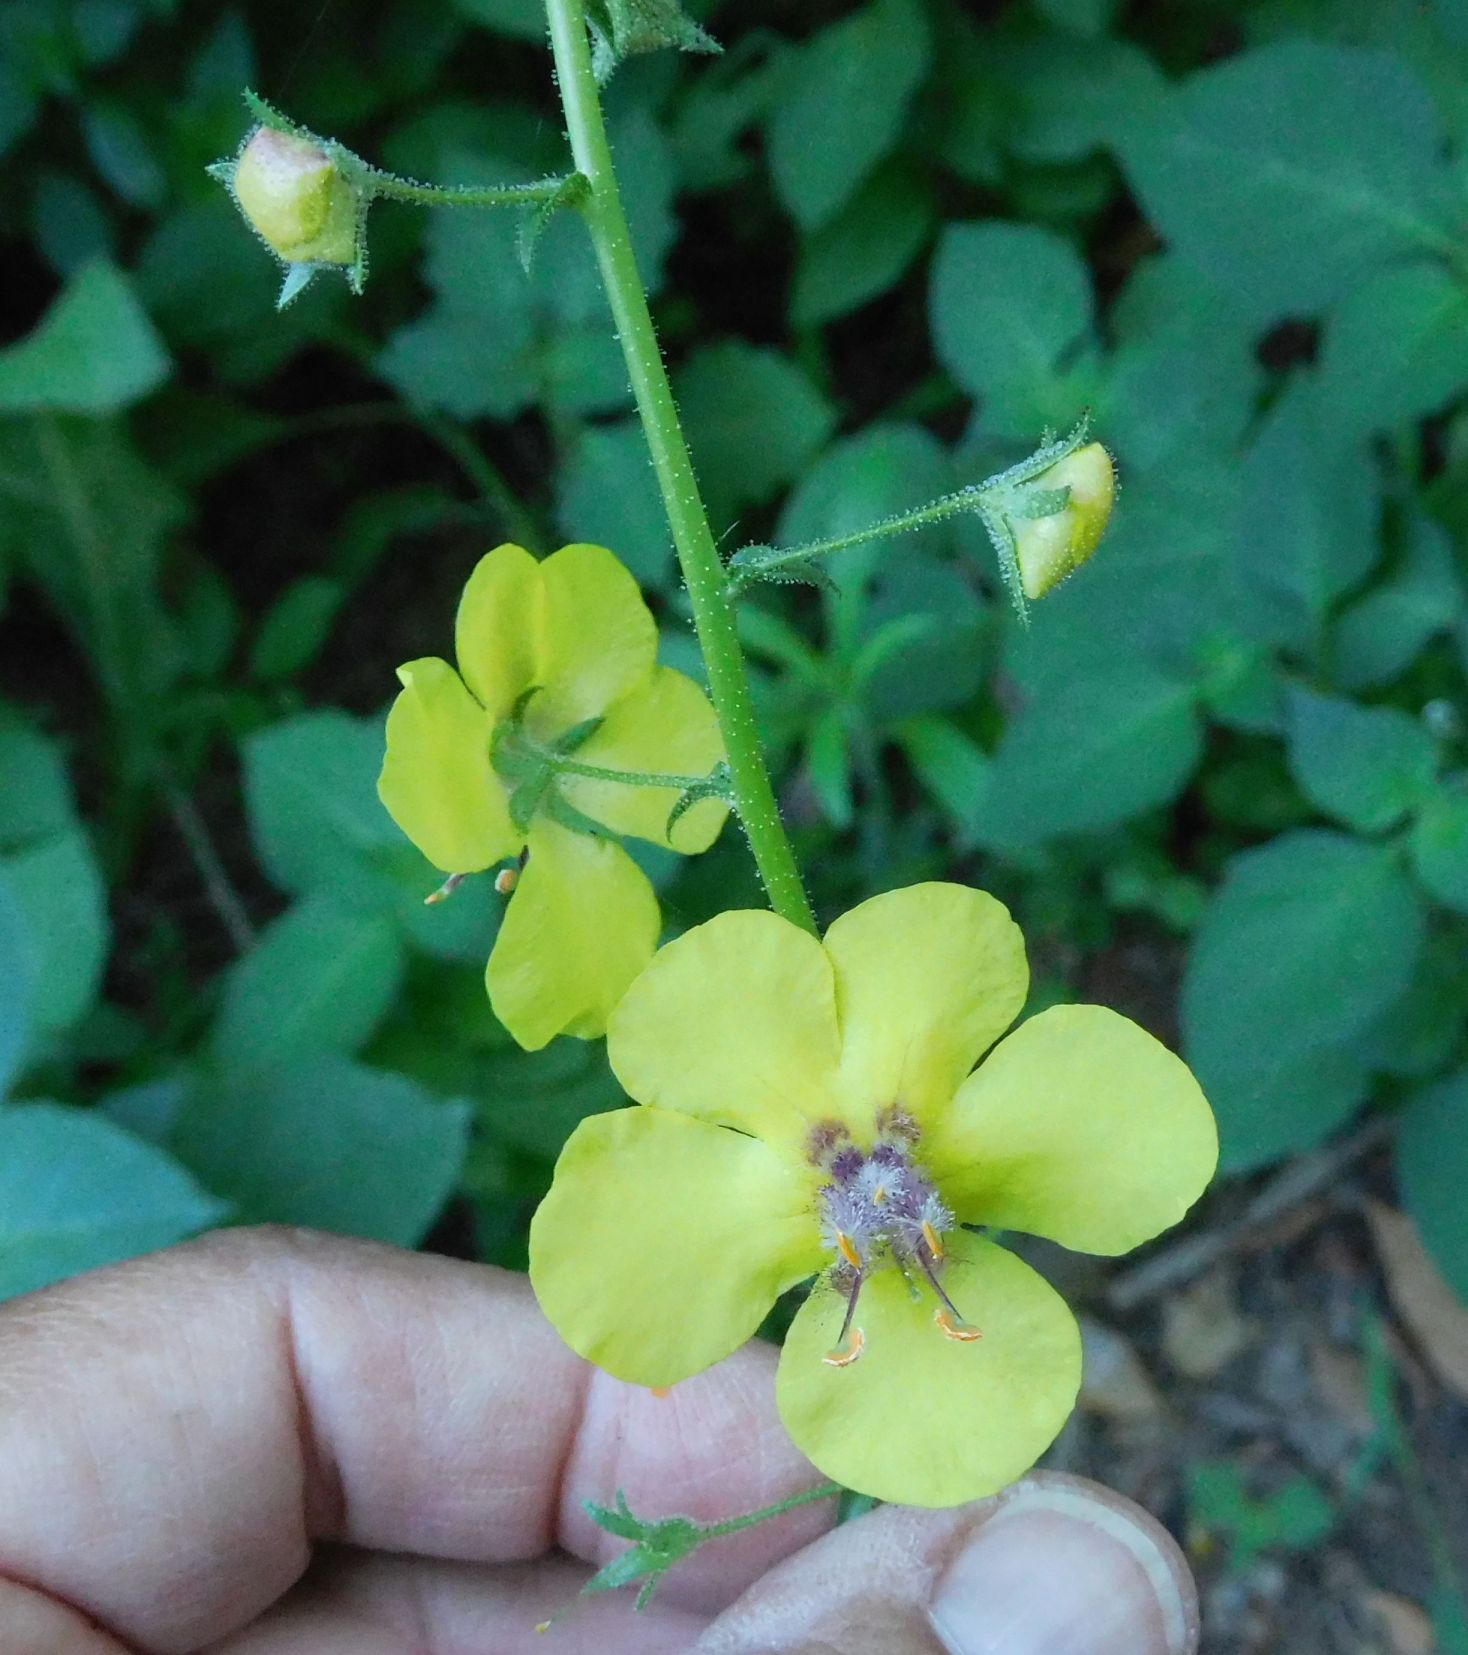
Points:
(279, 1443)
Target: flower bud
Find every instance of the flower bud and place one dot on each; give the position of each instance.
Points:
(294, 194)
(1051, 547)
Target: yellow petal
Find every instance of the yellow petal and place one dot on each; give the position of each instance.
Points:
(927, 978)
(665, 724)
(600, 640)
(664, 1241)
(734, 1022)
(1049, 549)
(582, 923)
(1080, 1127)
(436, 778)
(921, 1419)
(500, 628)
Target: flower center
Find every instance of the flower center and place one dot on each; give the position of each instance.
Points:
(878, 1207)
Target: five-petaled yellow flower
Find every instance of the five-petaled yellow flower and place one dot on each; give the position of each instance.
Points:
(557, 660)
(807, 1108)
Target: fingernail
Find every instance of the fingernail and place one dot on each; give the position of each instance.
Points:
(1056, 1572)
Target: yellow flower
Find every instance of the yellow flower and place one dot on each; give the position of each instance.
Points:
(807, 1108)
(556, 659)
(1051, 548)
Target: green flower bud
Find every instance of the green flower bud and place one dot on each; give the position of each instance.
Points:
(1055, 545)
(295, 196)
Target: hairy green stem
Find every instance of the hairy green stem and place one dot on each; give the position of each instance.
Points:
(951, 505)
(515, 744)
(703, 573)
(391, 187)
(732, 1525)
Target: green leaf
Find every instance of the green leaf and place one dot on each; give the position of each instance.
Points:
(950, 765)
(1296, 1516)
(754, 422)
(1439, 844)
(326, 1142)
(625, 28)
(1010, 306)
(15, 1012)
(311, 794)
(1073, 96)
(607, 493)
(1368, 386)
(35, 801)
(828, 757)
(320, 979)
(1380, 635)
(122, 150)
(1432, 1173)
(1308, 940)
(1089, 754)
(1184, 377)
(864, 249)
(842, 106)
(521, 19)
(1366, 766)
(57, 887)
(1289, 172)
(1091, 18)
(87, 519)
(77, 1192)
(93, 352)
(295, 627)
(1308, 518)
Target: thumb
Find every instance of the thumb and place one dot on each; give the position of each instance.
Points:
(1053, 1566)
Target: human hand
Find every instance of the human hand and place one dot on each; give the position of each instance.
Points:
(278, 1443)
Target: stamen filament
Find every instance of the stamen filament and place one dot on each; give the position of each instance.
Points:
(948, 1317)
(850, 1342)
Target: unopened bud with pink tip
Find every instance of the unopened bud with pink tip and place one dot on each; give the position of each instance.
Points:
(294, 194)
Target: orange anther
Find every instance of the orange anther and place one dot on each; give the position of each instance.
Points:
(844, 1355)
(964, 1332)
(848, 1249)
(933, 1239)
(879, 1195)
(505, 880)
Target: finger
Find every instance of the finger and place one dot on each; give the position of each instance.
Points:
(1054, 1566)
(364, 1605)
(175, 1432)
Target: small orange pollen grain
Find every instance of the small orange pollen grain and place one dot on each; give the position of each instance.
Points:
(661, 1390)
(964, 1332)
(848, 1249)
(844, 1355)
(933, 1239)
(505, 880)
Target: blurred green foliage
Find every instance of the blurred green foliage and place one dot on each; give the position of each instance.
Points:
(889, 243)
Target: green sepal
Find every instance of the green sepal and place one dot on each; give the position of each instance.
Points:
(996, 524)
(577, 736)
(1041, 502)
(567, 815)
(657, 1544)
(624, 28)
(718, 784)
(528, 797)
